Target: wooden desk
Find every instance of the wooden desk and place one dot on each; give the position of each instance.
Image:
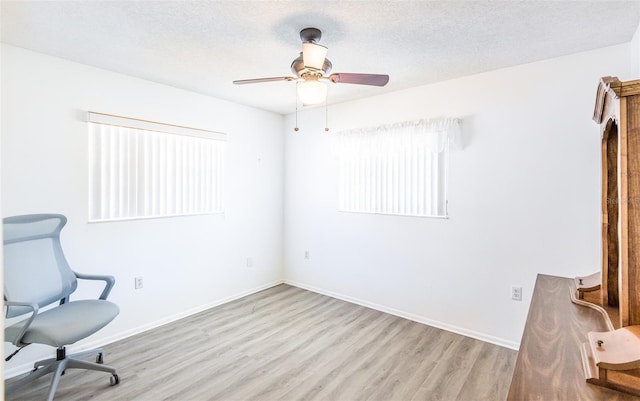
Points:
(549, 366)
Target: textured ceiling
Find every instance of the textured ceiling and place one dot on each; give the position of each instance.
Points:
(203, 45)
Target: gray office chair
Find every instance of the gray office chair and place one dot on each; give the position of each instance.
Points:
(36, 274)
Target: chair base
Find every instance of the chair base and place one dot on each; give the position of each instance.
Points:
(58, 365)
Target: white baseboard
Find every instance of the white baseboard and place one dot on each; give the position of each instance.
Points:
(101, 342)
(410, 316)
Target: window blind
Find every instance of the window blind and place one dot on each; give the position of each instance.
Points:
(141, 169)
(399, 169)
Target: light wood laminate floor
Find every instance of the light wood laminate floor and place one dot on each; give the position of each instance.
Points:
(286, 343)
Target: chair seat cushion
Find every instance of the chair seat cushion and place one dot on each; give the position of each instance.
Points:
(65, 324)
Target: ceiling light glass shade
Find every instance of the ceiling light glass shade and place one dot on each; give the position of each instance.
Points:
(312, 92)
(313, 55)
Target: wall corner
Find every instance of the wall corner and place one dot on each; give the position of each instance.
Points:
(635, 55)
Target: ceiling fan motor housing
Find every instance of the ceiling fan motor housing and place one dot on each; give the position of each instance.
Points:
(298, 68)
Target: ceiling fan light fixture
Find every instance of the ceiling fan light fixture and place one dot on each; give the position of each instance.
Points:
(313, 55)
(312, 92)
(310, 71)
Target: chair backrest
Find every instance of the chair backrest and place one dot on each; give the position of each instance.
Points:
(35, 269)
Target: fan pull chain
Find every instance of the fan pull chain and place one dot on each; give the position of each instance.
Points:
(296, 129)
(326, 113)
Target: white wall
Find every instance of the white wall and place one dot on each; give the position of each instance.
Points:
(523, 198)
(187, 262)
(523, 195)
(635, 55)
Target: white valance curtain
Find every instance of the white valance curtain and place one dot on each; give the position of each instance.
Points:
(397, 169)
(432, 134)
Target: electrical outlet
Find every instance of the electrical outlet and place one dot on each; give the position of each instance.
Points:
(306, 255)
(516, 293)
(139, 283)
(249, 262)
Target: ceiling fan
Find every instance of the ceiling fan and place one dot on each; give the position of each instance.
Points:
(311, 68)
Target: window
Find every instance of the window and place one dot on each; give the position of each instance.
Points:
(399, 169)
(142, 169)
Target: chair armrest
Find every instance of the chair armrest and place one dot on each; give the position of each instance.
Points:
(34, 311)
(109, 280)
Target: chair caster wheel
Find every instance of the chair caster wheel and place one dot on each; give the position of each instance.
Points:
(114, 380)
(99, 359)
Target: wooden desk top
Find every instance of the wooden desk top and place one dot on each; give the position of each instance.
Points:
(549, 366)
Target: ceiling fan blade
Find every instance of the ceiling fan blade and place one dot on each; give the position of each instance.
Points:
(359, 79)
(258, 80)
(313, 55)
